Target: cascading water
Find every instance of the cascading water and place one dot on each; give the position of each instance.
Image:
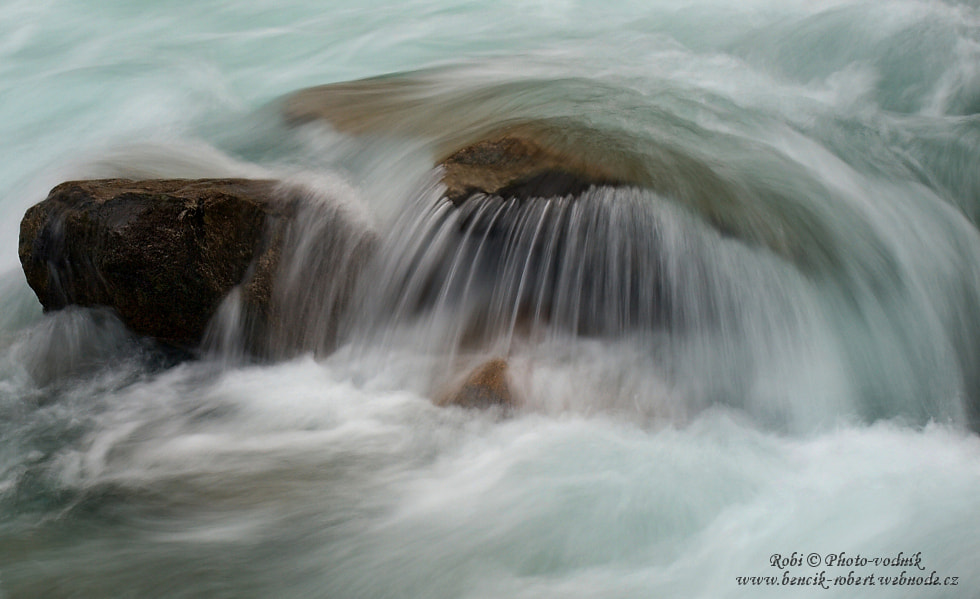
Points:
(761, 337)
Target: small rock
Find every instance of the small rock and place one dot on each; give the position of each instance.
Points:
(486, 386)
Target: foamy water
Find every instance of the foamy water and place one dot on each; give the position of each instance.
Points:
(786, 362)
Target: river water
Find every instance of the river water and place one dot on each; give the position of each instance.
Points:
(788, 364)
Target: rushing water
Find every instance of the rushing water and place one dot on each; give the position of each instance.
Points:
(774, 347)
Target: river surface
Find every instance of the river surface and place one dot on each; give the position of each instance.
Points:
(766, 359)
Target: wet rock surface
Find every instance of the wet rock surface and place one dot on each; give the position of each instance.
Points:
(486, 386)
(164, 254)
(513, 166)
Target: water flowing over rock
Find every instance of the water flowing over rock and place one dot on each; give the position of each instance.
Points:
(487, 141)
(167, 254)
(562, 158)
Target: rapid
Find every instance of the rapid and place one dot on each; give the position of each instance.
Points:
(772, 348)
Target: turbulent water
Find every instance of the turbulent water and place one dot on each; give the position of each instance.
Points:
(773, 348)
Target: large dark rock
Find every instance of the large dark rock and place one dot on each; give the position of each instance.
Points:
(164, 254)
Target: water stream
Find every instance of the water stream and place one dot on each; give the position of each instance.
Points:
(769, 346)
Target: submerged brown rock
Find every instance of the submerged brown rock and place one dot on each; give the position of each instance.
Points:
(485, 386)
(164, 254)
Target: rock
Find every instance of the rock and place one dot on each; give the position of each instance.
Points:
(164, 254)
(514, 166)
(485, 386)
